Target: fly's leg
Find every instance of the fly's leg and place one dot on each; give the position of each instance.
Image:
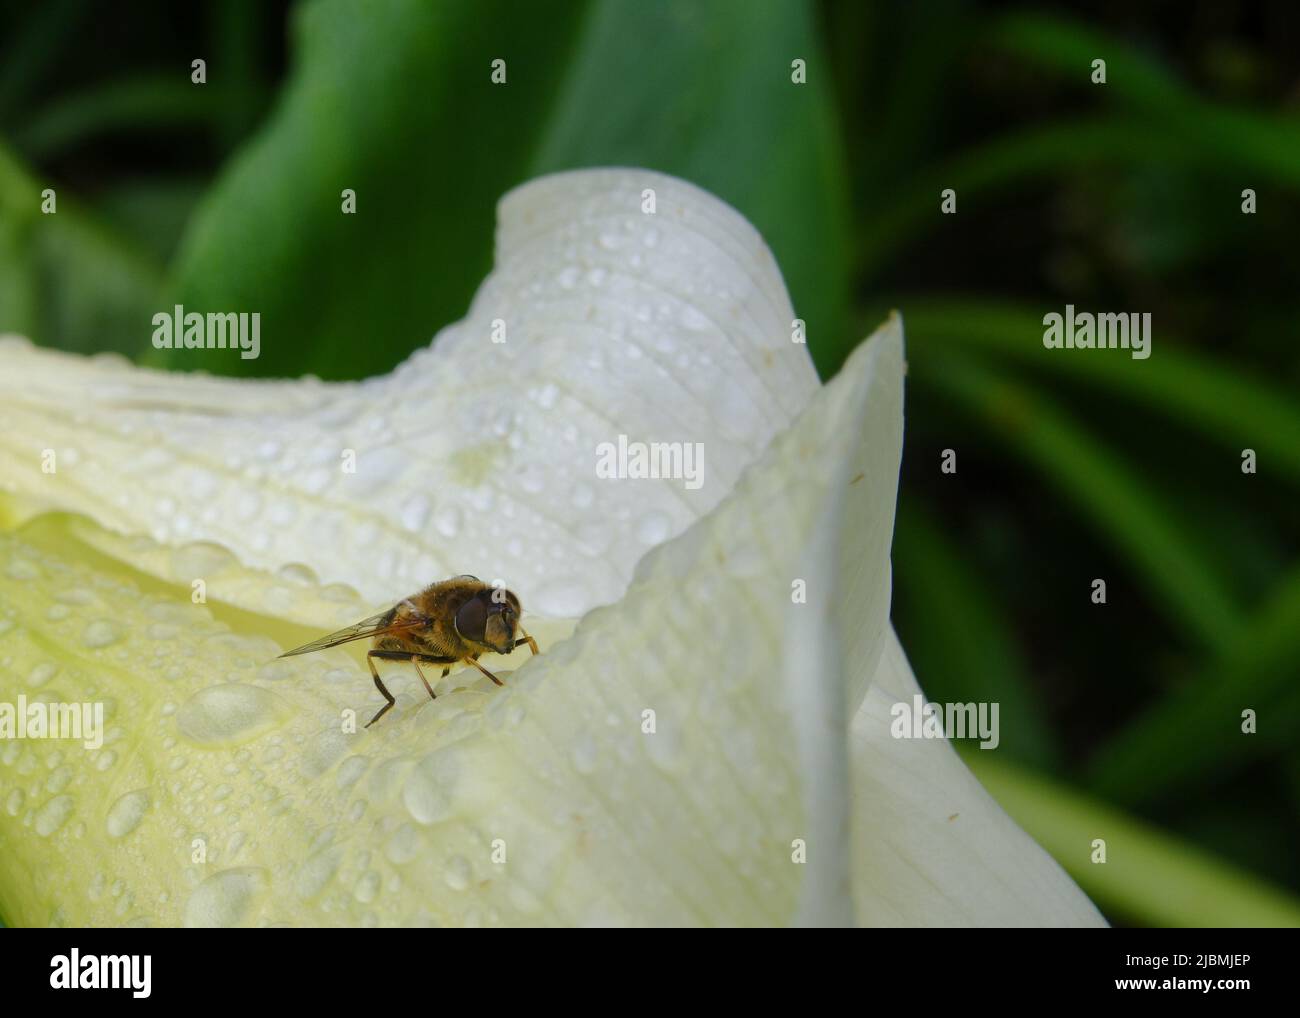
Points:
(415, 660)
(370, 660)
(532, 644)
(485, 671)
(401, 655)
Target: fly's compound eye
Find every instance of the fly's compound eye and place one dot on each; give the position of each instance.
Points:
(471, 619)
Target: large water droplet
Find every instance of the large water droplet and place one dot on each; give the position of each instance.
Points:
(101, 633)
(298, 572)
(427, 792)
(126, 814)
(58, 780)
(458, 873)
(317, 871)
(53, 815)
(225, 898)
(415, 512)
(377, 468)
(201, 559)
(227, 713)
(21, 569)
(367, 888)
(350, 771)
(404, 845)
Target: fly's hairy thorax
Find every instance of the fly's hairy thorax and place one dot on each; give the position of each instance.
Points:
(438, 604)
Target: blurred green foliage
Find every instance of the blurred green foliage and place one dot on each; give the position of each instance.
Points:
(1120, 721)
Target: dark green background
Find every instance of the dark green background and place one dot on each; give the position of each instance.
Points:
(1071, 465)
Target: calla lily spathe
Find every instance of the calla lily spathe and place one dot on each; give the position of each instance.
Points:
(694, 745)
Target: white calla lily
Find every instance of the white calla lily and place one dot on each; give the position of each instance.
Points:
(680, 753)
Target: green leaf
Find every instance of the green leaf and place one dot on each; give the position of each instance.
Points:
(141, 103)
(1070, 47)
(67, 280)
(236, 31)
(1196, 732)
(31, 53)
(429, 144)
(977, 659)
(1110, 496)
(712, 102)
(1148, 876)
(1264, 143)
(151, 211)
(398, 106)
(1212, 396)
(1008, 161)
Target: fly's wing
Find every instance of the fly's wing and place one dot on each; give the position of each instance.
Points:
(376, 625)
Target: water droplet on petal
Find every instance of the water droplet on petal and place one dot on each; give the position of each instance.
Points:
(226, 898)
(403, 846)
(692, 318)
(229, 712)
(458, 873)
(53, 815)
(427, 792)
(126, 814)
(317, 871)
(58, 780)
(447, 521)
(202, 558)
(532, 478)
(367, 888)
(664, 748)
(654, 528)
(101, 633)
(547, 395)
(414, 512)
(350, 771)
(582, 496)
(298, 572)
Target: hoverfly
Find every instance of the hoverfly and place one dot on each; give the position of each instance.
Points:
(452, 621)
